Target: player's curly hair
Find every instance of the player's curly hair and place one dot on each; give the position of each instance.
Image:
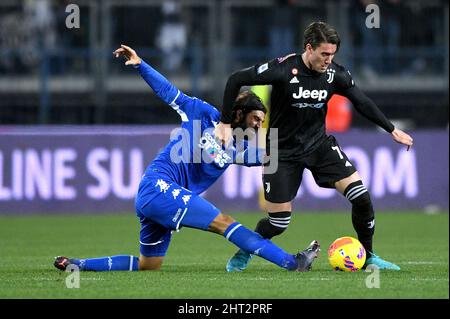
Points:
(320, 32)
(248, 101)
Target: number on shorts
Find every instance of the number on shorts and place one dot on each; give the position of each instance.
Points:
(337, 149)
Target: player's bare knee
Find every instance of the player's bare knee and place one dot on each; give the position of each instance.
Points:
(342, 185)
(150, 263)
(278, 207)
(221, 223)
(148, 267)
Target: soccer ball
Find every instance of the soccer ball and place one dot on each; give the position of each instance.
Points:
(346, 254)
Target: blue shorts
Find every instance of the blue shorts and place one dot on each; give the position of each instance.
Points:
(164, 206)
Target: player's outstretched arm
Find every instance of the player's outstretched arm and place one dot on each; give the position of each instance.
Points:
(365, 106)
(369, 109)
(266, 73)
(223, 131)
(162, 87)
(129, 54)
(401, 137)
(260, 74)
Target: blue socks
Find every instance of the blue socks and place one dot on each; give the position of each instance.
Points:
(239, 235)
(113, 263)
(253, 243)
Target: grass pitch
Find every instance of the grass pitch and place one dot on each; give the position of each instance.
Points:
(195, 263)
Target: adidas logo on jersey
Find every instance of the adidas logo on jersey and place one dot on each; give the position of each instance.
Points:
(294, 80)
(310, 94)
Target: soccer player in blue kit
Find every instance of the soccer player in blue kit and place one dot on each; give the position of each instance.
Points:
(168, 195)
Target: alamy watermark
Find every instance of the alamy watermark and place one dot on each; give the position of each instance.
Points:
(373, 19)
(73, 279)
(73, 19)
(373, 280)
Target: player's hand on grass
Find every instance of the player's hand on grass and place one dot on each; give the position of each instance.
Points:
(223, 133)
(129, 54)
(401, 137)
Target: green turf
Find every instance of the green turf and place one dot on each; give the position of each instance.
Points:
(195, 263)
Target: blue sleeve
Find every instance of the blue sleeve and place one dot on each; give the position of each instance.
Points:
(251, 156)
(186, 106)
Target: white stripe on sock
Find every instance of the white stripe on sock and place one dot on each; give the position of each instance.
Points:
(280, 225)
(151, 244)
(279, 221)
(353, 190)
(131, 263)
(232, 230)
(358, 194)
(356, 188)
(281, 218)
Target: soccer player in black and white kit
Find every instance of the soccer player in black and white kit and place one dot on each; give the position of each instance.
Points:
(302, 84)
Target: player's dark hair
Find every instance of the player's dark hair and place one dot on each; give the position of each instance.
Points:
(320, 32)
(248, 101)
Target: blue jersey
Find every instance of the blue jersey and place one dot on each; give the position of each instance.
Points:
(193, 159)
(168, 196)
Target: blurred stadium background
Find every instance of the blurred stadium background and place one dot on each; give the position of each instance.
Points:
(59, 85)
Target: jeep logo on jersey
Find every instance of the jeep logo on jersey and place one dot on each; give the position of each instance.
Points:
(310, 94)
